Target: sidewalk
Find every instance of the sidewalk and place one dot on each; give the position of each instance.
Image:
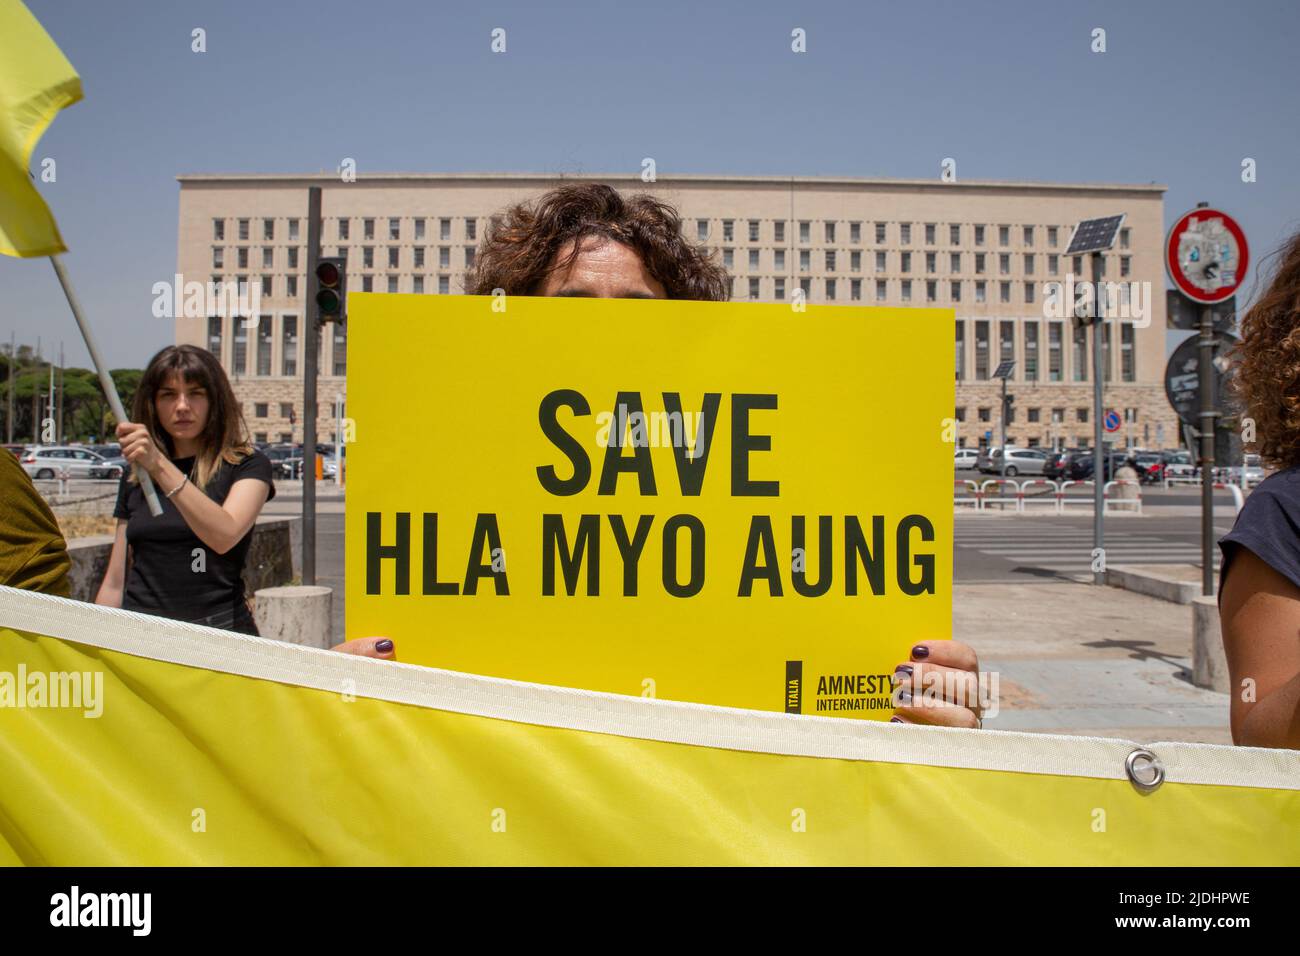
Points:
(1086, 660)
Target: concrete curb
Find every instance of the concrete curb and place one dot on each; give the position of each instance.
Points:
(1142, 580)
(1209, 662)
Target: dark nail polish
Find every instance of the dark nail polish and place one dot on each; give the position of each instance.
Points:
(904, 669)
(905, 698)
(921, 651)
(896, 720)
(384, 646)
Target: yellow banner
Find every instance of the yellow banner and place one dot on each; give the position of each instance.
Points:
(739, 504)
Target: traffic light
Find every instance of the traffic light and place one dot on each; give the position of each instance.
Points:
(331, 288)
(1008, 407)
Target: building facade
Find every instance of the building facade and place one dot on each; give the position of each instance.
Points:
(989, 250)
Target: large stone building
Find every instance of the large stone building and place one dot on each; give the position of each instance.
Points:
(989, 250)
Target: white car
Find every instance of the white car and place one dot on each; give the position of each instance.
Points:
(964, 458)
(47, 461)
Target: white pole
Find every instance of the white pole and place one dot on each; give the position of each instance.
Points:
(105, 380)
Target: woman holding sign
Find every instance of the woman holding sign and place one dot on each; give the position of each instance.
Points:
(587, 240)
(189, 436)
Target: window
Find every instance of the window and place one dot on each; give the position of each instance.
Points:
(907, 290)
(981, 355)
(394, 229)
(268, 257)
(880, 290)
(979, 263)
(931, 291)
(1029, 293)
(1033, 418)
(444, 257)
(392, 257)
(778, 230)
(728, 230)
(929, 233)
(417, 285)
(880, 232)
(239, 360)
(753, 289)
(954, 262)
(855, 290)
(219, 230)
(1127, 369)
(214, 335)
(471, 230)
(979, 235)
(264, 347)
(1006, 341)
(805, 229)
(218, 257)
(954, 291)
(1078, 265)
(1123, 238)
(780, 289)
(1054, 353)
(268, 230)
(392, 284)
(266, 287)
(805, 259)
(954, 235)
(753, 230)
(418, 255)
(986, 413)
(293, 257)
(855, 262)
(1029, 235)
(1052, 236)
(1031, 353)
(906, 262)
(830, 260)
(980, 292)
(1004, 264)
(1004, 235)
(701, 229)
(930, 264)
(367, 283)
(1005, 292)
(241, 261)
(728, 259)
(830, 290)
(1053, 265)
(830, 232)
(291, 286)
(419, 230)
(288, 349)
(753, 260)
(1081, 415)
(1125, 265)
(368, 257)
(260, 409)
(444, 285)
(343, 229)
(805, 286)
(1029, 263)
(905, 233)
(880, 261)
(243, 230)
(367, 229)
(855, 232)
(444, 228)
(340, 349)
(961, 353)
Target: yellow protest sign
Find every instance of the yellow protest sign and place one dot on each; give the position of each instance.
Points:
(735, 504)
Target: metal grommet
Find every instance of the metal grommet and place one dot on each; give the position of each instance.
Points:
(1144, 770)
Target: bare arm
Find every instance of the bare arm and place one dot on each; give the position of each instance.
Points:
(110, 591)
(219, 526)
(1260, 614)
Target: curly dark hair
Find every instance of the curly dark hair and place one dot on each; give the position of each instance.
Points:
(519, 250)
(1267, 373)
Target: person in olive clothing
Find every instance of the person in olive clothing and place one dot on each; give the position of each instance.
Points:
(33, 554)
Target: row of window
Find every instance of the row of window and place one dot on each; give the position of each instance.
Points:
(290, 284)
(757, 288)
(1034, 415)
(244, 229)
(831, 232)
(1020, 342)
(257, 344)
(832, 260)
(243, 256)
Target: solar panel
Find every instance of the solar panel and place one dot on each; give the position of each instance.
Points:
(1094, 235)
(1004, 370)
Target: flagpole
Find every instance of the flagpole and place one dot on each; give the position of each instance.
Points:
(105, 380)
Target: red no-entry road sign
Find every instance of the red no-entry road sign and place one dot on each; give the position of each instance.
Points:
(1206, 255)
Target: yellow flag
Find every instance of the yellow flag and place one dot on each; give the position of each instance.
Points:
(127, 739)
(36, 81)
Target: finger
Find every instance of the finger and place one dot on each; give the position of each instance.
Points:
(936, 714)
(377, 647)
(947, 653)
(932, 682)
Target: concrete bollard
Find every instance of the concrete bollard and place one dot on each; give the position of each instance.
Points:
(296, 614)
(1209, 663)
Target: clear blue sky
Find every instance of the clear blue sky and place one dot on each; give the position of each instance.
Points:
(1009, 89)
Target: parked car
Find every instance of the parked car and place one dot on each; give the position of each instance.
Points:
(962, 458)
(1082, 465)
(17, 450)
(1057, 465)
(54, 461)
(1178, 464)
(1251, 470)
(1020, 461)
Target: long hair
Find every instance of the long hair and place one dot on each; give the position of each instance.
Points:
(520, 248)
(1267, 377)
(224, 436)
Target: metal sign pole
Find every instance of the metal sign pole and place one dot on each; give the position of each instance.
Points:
(1207, 425)
(1003, 419)
(311, 342)
(1098, 411)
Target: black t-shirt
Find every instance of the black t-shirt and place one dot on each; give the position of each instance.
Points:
(167, 577)
(1269, 526)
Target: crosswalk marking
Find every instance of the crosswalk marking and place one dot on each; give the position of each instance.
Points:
(1068, 549)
